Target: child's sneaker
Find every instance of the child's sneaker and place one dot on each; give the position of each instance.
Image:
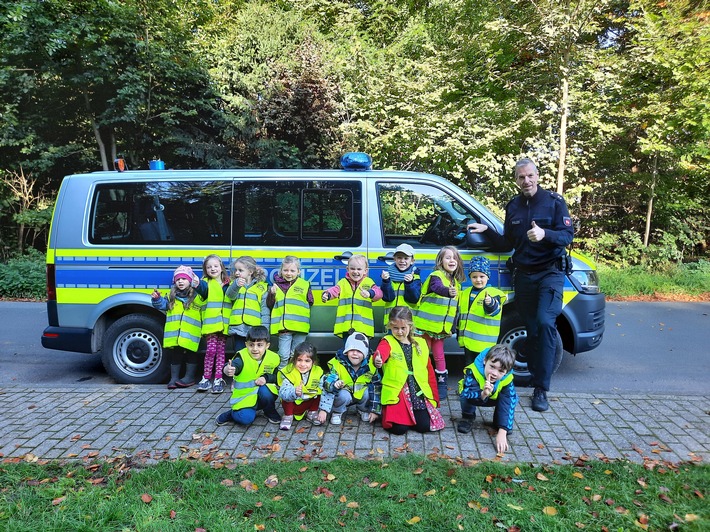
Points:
(442, 383)
(365, 417)
(286, 422)
(336, 419)
(273, 417)
(465, 425)
(218, 386)
(204, 385)
(312, 416)
(224, 418)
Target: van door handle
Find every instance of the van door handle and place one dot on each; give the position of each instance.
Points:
(386, 258)
(344, 257)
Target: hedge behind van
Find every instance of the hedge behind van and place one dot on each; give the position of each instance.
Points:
(115, 236)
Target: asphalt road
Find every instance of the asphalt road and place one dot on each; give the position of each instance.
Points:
(659, 348)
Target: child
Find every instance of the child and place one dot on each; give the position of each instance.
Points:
(479, 311)
(212, 287)
(409, 396)
(290, 300)
(299, 387)
(247, 295)
(355, 292)
(489, 382)
(351, 381)
(183, 325)
(434, 317)
(401, 281)
(254, 370)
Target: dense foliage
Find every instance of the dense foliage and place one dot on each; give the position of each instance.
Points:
(611, 97)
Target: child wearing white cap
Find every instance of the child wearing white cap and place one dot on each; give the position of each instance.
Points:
(401, 281)
(351, 381)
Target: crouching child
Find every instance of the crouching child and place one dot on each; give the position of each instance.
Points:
(254, 369)
(352, 380)
(488, 381)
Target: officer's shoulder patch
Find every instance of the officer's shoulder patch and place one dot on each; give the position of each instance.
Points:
(556, 195)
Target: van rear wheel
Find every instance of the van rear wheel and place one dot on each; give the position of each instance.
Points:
(514, 337)
(132, 351)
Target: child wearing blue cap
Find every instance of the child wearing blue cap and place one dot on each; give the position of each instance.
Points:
(479, 310)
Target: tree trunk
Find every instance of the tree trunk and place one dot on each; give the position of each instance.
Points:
(564, 104)
(97, 132)
(652, 195)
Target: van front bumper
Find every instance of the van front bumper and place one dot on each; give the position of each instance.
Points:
(586, 315)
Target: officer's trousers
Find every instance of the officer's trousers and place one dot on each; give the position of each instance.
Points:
(539, 301)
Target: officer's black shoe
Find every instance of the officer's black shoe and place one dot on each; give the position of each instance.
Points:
(539, 400)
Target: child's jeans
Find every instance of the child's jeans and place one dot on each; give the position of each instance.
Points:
(266, 401)
(287, 343)
(343, 399)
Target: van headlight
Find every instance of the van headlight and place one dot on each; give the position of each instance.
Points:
(586, 281)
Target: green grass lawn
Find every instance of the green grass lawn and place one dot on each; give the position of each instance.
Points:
(689, 281)
(409, 493)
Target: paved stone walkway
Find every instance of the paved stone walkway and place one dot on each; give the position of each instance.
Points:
(150, 422)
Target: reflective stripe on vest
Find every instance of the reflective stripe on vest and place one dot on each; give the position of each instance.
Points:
(435, 313)
(309, 390)
(478, 330)
(246, 308)
(354, 311)
(244, 391)
(183, 327)
(213, 311)
(395, 371)
(357, 388)
(291, 310)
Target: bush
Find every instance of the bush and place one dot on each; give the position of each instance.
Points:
(24, 276)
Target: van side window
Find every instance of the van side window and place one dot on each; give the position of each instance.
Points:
(313, 213)
(178, 212)
(421, 215)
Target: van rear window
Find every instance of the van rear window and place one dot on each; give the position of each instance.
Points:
(176, 212)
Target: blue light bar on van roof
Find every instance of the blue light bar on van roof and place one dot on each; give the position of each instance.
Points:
(356, 161)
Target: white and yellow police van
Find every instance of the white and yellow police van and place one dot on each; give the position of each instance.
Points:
(115, 236)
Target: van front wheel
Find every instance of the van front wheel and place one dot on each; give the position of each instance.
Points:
(514, 337)
(132, 352)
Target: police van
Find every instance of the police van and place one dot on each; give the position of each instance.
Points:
(116, 236)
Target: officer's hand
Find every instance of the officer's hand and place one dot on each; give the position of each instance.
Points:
(476, 228)
(385, 275)
(536, 234)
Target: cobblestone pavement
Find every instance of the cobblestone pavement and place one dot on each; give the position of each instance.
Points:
(90, 421)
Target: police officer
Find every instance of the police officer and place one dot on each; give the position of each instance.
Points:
(539, 227)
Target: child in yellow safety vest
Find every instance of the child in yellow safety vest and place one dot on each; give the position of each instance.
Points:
(290, 299)
(409, 398)
(479, 311)
(245, 300)
(300, 387)
(355, 293)
(254, 369)
(489, 382)
(214, 283)
(183, 325)
(435, 314)
(352, 380)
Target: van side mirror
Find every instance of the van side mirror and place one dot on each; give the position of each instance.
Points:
(484, 242)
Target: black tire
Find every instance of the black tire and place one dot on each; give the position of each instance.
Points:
(132, 350)
(513, 334)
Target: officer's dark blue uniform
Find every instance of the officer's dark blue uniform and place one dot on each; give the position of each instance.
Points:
(539, 275)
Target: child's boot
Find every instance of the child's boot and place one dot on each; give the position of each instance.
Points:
(442, 383)
(466, 423)
(174, 376)
(189, 378)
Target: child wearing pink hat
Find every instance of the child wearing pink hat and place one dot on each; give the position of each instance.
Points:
(183, 325)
